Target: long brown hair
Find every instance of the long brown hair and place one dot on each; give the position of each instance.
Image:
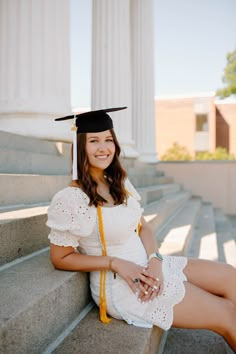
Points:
(114, 174)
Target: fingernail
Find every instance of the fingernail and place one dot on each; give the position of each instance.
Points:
(150, 301)
(146, 292)
(155, 287)
(157, 279)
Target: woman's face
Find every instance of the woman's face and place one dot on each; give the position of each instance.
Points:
(100, 149)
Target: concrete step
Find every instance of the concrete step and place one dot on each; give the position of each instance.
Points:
(93, 337)
(145, 170)
(226, 240)
(157, 213)
(37, 302)
(88, 333)
(18, 142)
(148, 180)
(175, 236)
(26, 189)
(35, 287)
(152, 193)
(192, 341)
(22, 232)
(212, 239)
(204, 242)
(26, 162)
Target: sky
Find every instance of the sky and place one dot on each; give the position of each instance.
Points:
(191, 41)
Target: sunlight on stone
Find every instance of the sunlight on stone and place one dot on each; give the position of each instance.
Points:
(208, 247)
(230, 252)
(175, 240)
(150, 217)
(177, 234)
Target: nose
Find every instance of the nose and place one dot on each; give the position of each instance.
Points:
(102, 146)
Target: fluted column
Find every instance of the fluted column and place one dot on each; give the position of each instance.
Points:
(34, 67)
(142, 63)
(111, 73)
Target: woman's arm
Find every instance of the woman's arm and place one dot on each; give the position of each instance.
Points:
(147, 237)
(155, 264)
(65, 258)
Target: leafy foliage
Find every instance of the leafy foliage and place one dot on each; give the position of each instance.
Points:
(176, 153)
(220, 153)
(229, 77)
(180, 153)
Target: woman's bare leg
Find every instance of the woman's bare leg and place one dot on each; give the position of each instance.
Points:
(215, 277)
(203, 310)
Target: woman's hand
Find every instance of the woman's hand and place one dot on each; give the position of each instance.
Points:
(155, 269)
(136, 276)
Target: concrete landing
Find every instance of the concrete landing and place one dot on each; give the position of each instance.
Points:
(189, 341)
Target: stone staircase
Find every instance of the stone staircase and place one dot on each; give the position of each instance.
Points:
(43, 310)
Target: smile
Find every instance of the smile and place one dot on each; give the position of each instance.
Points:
(102, 157)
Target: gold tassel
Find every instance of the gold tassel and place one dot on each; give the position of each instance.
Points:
(102, 296)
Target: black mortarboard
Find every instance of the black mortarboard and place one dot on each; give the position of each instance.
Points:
(93, 121)
(89, 122)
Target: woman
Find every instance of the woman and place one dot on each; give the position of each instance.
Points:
(99, 214)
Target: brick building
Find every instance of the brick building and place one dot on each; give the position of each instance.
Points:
(200, 123)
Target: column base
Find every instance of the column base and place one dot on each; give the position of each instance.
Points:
(35, 125)
(128, 151)
(149, 158)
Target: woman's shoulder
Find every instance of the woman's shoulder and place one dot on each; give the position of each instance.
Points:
(71, 194)
(70, 210)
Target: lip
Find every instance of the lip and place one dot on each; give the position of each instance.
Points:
(102, 157)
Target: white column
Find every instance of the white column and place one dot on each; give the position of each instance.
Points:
(34, 67)
(142, 59)
(111, 73)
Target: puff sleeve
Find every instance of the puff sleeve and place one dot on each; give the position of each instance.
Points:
(70, 217)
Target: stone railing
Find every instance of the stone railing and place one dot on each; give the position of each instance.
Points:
(214, 181)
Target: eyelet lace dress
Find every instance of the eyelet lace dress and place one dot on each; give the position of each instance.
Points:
(74, 223)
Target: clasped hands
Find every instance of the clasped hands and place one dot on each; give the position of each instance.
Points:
(147, 282)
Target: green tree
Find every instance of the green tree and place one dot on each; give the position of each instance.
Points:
(176, 153)
(229, 78)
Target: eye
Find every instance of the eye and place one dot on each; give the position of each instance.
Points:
(93, 141)
(110, 140)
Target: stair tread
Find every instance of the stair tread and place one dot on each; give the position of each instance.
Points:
(204, 242)
(25, 143)
(26, 282)
(173, 238)
(213, 239)
(22, 213)
(226, 240)
(158, 187)
(93, 337)
(29, 188)
(193, 341)
(155, 207)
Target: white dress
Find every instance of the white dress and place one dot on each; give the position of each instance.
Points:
(74, 223)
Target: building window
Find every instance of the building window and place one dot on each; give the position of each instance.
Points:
(201, 122)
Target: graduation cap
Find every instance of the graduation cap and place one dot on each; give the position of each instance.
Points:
(89, 122)
(93, 121)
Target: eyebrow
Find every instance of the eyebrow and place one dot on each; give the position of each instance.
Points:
(97, 137)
